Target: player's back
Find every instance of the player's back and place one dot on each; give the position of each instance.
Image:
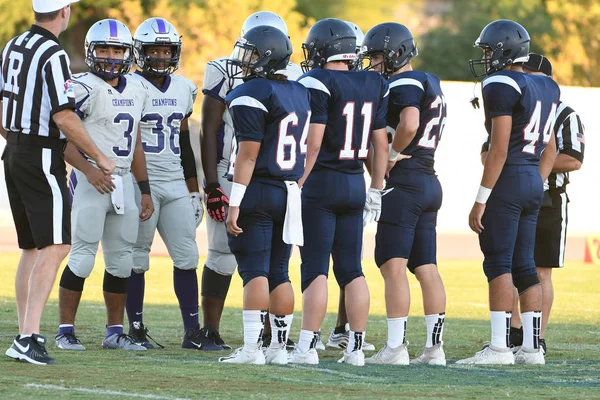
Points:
(275, 113)
(165, 108)
(532, 101)
(422, 91)
(110, 114)
(351, 104)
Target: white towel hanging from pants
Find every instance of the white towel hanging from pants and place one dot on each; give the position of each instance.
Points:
(292, 226)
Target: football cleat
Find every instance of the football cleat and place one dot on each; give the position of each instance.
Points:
(121, 341)
(245, 356)
(431, 355)
(543, 345)
(530, 356)
(390, 356)
(276, 355)
(213, 334)
(198, 339)
(340, 340)
(310, 357)
(68, 341)
(356, 358)
(30, 349)
(490, 355)
(139, 333)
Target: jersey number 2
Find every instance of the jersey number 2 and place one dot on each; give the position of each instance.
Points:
(428, 140)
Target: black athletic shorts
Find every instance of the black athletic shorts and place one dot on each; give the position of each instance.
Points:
(35, 173)
(551, 231)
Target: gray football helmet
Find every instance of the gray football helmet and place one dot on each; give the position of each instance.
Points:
(262, 18)
(108, 32)
(156, 32)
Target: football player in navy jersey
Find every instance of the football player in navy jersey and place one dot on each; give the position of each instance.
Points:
(406, 232)
(348, 114)
(270, 115)
(520, 112)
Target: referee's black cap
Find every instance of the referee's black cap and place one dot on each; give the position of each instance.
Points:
(538, 63)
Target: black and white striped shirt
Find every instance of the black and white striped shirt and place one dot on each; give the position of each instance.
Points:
(35, 83)
(570, 140)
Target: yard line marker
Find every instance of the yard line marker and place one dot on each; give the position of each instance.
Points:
(338, 373)
(102, 392)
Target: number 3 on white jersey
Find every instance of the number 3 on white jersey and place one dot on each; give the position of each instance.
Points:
(531, 132)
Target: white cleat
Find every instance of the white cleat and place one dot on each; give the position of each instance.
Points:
(320, 346)
(490, 355)
(530, 356)
(431, 356)
(310, 357)
(276, 355)
(245, 356)
(356, 358)
(390, 356)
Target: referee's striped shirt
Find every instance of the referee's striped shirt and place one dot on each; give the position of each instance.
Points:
(35, 83)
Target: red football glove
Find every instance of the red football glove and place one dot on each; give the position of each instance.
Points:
(216, 200)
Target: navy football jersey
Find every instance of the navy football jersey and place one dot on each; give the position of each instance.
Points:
(421, 90)
(276, 114)
(351, 104)
(532, 101)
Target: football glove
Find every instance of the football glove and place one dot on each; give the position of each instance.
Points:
(372, 209)
(198, 208)
(216, 200)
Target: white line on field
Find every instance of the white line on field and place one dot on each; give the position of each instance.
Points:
(334, 372)
(101, 392)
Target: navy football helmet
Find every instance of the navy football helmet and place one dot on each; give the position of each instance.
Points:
(504, 42)
(328, 40)
(262, 51)
(394, 42)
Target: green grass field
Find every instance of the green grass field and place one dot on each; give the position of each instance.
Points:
(572, 370)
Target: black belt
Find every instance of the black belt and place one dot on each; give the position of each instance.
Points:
(36, 140)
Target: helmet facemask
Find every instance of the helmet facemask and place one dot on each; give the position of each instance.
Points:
(105, 67)
(389, 60)
(247, 61)
(158, 66)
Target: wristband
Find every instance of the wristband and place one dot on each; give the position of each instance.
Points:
(393, 154)
(237, 194)
(144, 187)
(483, 194)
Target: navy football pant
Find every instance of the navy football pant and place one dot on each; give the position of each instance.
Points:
(260, 249)
(407, 226)
(332, 208)
(509, 221)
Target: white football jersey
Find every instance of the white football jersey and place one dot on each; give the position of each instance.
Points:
(165, 108)
(110, 115)
(217, 84)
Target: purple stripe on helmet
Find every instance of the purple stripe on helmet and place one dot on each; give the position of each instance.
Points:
(114, 32)
(162, 27)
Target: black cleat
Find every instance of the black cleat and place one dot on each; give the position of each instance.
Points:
(30, 349)
(139, 335)
(213, 334)
(198, 339)
(543, 346)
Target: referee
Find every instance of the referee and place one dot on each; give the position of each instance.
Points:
(37, 116)
(551, 232)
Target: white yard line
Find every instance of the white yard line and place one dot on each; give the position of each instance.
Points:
(342, 374)
(101, 392)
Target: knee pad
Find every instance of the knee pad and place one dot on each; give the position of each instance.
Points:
(141, 261)
(278, 279)
(214, 284)
(522, 283)
(70, 281)
(112, 284)
(347, 277)
(247, 276)
(221, 262)
(494, 271)
(118, 264)
(308, 279)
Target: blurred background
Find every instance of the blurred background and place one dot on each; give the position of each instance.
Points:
(566, 31)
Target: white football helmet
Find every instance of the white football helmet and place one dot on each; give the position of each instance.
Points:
(108, 32)
(157, 32)
(360, 36)
(264, 18)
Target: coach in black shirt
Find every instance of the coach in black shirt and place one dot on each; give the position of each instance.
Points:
(37, 117)
(551, 230)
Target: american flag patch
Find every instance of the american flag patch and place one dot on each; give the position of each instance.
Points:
(580, 138)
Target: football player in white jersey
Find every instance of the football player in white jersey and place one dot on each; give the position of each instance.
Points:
(110, 106)
(174, 183)
(216, 145)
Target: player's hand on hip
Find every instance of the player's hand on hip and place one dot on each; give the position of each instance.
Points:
(103, 183)
(392, 163)
(147, 207)
(475, 217)
(198, 208)
(372, 210)
(232, 216)
(106, 165)
(216, 200)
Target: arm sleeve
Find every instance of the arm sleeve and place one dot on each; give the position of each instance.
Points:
(188, 161)
(570, 137)
(58, 79)
(216, 83)
(249, 118)
(500, 99)
(380, 120)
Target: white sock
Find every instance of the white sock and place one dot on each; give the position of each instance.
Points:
(435, 328)
(532, 325)
(500, 328)
(308, 340)
(396, 331)
(280, 329)
(254, 324)
(355, 341)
